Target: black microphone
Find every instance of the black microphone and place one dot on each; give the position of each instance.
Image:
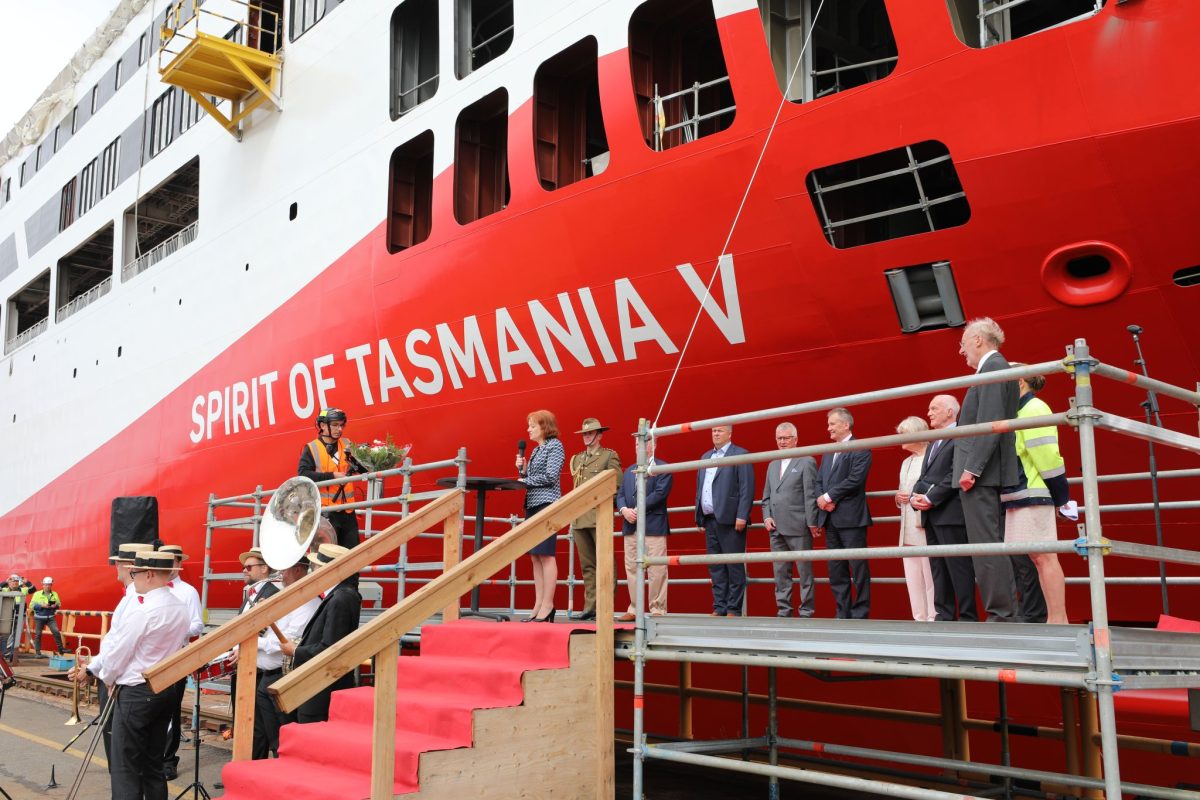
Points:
(521, 452)
(1134, 329)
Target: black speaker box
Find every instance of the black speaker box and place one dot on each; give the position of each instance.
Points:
(133, 520)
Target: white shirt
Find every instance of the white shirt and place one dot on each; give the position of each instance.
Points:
(153, 626)
(710, 474)
(118, 613)
(292, 626)
(190, 598)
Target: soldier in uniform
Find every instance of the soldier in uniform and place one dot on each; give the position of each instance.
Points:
(584, 466)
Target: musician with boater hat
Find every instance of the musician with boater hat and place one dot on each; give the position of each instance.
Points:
(150, 629)
(336, 617)
(326, 458)
(187, 594)
(267, 718)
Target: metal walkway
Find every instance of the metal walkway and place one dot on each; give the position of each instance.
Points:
(1056, 655)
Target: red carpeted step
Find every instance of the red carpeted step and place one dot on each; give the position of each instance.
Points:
(538, 646)
(293, 779)
(418, 710)
(348, 746)
(494, 676)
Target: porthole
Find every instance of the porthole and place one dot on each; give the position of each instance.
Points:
(1086, 273)
(293, 210)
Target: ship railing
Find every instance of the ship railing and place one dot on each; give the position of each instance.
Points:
(1100, 679)
(87, 298)
(260, 28)
(846, 66)
(402, 97)
(26, 336)
(160, 251)
(675, 105)
(994, 29)
(378, 508)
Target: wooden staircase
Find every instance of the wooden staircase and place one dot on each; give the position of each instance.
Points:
(486, 710)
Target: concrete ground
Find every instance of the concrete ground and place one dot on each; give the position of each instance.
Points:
(33, 733)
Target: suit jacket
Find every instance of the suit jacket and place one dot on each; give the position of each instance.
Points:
(791, 498)
(732, 490)
(992, 458)
(658, 488)
(336, 618)
(846, 485)
(939, 483)
(584, 467)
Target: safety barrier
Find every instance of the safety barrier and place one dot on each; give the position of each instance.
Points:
(1099, 682)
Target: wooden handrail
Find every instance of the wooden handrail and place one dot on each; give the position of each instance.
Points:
(245, 627)
(305, 681)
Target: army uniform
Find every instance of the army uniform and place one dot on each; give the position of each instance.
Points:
(584, 467)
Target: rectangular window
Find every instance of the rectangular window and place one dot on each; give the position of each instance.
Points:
(37, 158)
(925, 297)
(74, 118)
(826, 46)
(410, 195)
(95, 97)
(680, 82)
(56, 129)
(85, 274)
(162, 118)
(142, 50)
(483, 30)
(568, 129)
(986, 23)
(305, 14)
(66, 206)
(902, 192)
(28, 312)
(109, 163)
(414, 54)
(87, 186)
(481, 158)
(117, 75)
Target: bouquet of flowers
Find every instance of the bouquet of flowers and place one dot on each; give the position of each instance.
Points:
(379, 455)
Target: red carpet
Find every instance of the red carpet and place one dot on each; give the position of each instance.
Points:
(463, 666)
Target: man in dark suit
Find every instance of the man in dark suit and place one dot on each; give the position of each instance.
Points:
(935, 495)
(789, 508)
(983, 464)
(843, 515)
(724, 497)
(336, 618)
(658, 489)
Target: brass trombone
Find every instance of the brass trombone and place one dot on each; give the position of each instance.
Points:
(83, 657)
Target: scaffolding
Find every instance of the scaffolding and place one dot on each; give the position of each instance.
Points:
(1093, 660)
(377, 509)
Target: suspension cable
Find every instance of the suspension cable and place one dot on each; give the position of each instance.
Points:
(738, 214)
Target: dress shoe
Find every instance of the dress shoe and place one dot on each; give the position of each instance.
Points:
(170, 772)
(548, 618)
(582, 616)
(627, 617)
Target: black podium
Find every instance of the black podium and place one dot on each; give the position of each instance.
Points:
(481, 486)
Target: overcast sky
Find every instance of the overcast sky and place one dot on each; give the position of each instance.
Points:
(37, 39)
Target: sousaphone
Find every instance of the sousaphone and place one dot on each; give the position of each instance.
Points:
(290, 522)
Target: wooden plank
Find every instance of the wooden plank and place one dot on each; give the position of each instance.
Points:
(541, 750)
(602, 698)
(300, 684)
(383, 737)
(248, 624)
(451, 555)
(247, 685)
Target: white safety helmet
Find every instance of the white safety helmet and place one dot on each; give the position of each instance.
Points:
(47, 579)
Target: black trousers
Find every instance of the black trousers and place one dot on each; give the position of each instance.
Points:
(171, 752)
(728, 580)
(345, 523)
(953, 578)
(102, 700)
(267, 718)
(856, 605)
(139, 729)
(316, 708)
(1031, 603)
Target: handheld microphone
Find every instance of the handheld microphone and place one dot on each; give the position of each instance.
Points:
(1134, 329)
(521, 452)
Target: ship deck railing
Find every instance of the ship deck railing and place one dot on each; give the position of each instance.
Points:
(1095, 658)
(163, 249)
(26, 336)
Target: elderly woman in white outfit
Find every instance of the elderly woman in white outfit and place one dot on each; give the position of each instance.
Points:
(917, 574)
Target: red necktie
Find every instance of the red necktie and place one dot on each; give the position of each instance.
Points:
(253, 591)
(141, 599)
(170, 584)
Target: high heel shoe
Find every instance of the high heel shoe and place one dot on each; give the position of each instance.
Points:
(548, 618)
(531, 618)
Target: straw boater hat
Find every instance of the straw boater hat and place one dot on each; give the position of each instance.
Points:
(253, 552)
(175, 550)
(592, 425)
(327, 553)
(126, 553)
(155, 560)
